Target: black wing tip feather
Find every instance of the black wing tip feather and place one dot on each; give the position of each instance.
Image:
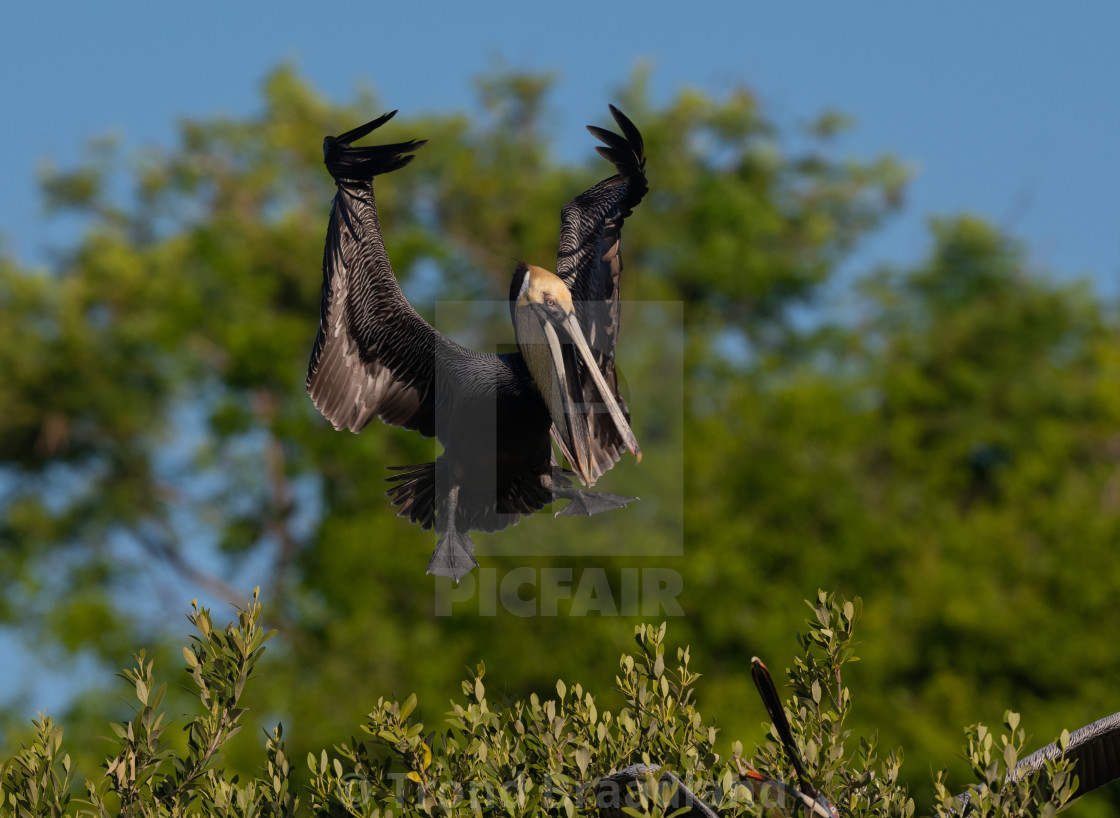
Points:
(625, 148)
(354, 134)
(362, 164)
(629, 129)
(626, 151)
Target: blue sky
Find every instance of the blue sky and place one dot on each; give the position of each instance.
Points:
(1010, 112)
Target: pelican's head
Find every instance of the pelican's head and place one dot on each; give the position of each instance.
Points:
(548, 332)
(537, 290)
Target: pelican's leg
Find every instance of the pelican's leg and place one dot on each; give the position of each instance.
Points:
(583, 502)
(454, 554)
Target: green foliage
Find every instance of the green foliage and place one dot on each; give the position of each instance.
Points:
(146, 771)
(521, 757)
(515, 757)
(37, 781)
(1000, 791)
(149, 775)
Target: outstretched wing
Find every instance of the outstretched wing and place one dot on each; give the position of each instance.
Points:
(1094, 749)
(590, 262)
(374, 355)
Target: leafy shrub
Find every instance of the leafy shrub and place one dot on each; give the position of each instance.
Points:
(505, 757)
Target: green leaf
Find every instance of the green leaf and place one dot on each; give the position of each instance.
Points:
(408, 706)
(1011, 719)
(583, 757)
(568, 806)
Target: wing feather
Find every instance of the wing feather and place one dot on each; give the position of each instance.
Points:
(590, 263)
(374, 356)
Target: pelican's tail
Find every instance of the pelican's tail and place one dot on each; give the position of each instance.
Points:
(362, 164)
(414, 492)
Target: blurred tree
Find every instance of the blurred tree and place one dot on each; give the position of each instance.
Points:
(954, 456)
(950, 455)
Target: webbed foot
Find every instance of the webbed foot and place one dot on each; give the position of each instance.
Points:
(590, 502)
(453, 557)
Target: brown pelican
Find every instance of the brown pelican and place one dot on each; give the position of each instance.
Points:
(493, 413)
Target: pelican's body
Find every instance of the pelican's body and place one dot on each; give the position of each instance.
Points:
(493, 413)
